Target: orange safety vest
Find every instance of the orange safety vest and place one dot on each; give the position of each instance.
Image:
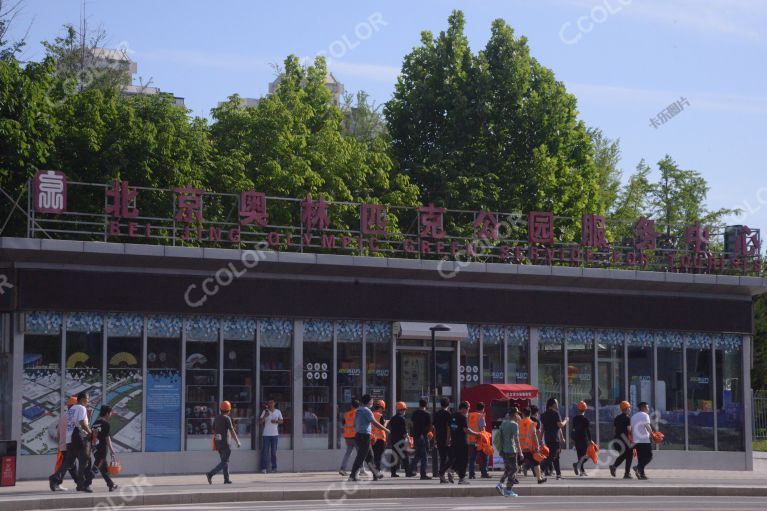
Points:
(527, 435)
(349, 431)
(473, 424)
(377, 434)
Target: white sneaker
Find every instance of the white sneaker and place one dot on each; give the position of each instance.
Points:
(499, 488)
(60, 488)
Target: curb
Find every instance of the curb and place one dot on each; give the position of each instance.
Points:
(366, 492)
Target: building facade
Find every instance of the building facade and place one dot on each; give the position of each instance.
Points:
(163, 333)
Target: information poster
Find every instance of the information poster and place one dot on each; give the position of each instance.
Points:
(163, 411)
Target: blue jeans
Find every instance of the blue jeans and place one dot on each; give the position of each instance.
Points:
(473, 452)
(268, 443)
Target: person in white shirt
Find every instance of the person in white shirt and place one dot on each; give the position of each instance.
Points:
(78, 434)
(641, 430)
(270, 418)
(61, 429)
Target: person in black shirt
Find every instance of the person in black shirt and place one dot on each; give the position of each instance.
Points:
(222, 429)
(399, 441)
(581, 435)
(102, 430)
(622, 434)
(459, 446)
(421, 420)
(552, 424)
(442, 436)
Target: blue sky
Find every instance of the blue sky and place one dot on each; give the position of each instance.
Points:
(625, 60)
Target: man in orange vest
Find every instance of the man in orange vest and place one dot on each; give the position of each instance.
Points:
(378, 436)
(349, 435)
(477, 423)
(529, 441)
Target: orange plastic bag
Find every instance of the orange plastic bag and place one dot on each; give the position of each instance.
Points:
(114, 467)
(593, 452)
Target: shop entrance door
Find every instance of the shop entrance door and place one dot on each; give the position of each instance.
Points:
(414, 374)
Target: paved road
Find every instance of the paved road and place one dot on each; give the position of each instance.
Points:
(491, 504)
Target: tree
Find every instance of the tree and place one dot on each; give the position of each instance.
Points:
(8, 13)
(494, 130)
(27, 129)
(362, 118)
(678, 199)
(292, 143)
(607, 156)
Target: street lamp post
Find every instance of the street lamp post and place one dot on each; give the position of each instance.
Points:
(434, 329)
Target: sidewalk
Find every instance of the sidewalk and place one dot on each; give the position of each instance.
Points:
(186, 489)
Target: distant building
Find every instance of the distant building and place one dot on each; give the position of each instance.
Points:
(335, 87)
(119, 61)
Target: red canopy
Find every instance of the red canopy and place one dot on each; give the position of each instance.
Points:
(497, 392)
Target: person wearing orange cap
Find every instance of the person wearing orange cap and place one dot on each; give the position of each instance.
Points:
(378, 436)
(642, 430)
(399, 441)
(621, 443)
(222, 429)
(581, 435)
(62, 431)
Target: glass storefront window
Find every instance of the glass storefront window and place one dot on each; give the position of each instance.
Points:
(349, 366)
(276, 339)
(41, 397)
(640, 367)
(729, 393)
(202, 363)
(580, 371)
(610, 381)
(318, 382)
(493, 338)
(83, 362)
(700, 404)
(517, 346)
(469, 359)
(551, 361)
(125, 385)
(378, 342)
(239, 376)
(163, 387)
(669, 391)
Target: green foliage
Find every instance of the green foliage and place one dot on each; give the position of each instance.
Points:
(292, 143)
(27, 126)
(8, 12)
(494, 130)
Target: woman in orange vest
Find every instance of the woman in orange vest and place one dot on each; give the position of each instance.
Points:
(349, 434)
(378, 436)
(529, 441)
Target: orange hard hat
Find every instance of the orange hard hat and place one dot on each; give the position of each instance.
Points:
(593, 452)
(625, 405)
(539, 456)
(430, 435)
(380, 403)
(582, 406)
(401, 405)
(545, 451)
(226, 406)
(658, 437)
(72, 401)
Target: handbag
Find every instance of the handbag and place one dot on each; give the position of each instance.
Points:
(114, 467)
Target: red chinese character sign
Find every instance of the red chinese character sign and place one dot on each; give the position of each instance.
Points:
(645, 235)
(540, 227)
(747, 242)
(50, 191)
(119, 200)
(373, 219)
(253, 208)
(593, 232)
(486, 225)
(188, 205)
(697, 237)
(314, 213)
(432, 221)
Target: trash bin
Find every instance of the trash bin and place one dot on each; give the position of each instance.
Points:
(8, 462)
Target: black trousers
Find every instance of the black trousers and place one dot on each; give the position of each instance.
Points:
(627, 454)
(224, 453)
(378, 449)
(443, 453)
(553, 460)
(364, 452)
(402, 458)
(460, 456)
(100, 462)
(77, 452)
(644, 456)
(580, 448)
